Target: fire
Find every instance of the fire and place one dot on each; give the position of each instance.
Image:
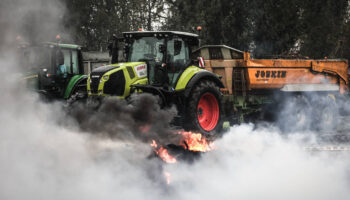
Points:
(154, 144)
(163, 153)
(196, 142)
(190, 141)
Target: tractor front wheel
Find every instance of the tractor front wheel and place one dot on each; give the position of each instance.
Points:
(79, 95)
(204, 109)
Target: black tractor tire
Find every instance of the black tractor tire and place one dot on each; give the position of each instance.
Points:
(77, 96)
(203, 111)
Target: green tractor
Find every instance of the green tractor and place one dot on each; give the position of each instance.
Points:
(161, 63)
(54, 70)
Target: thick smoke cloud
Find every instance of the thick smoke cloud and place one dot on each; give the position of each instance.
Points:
(45, 154)
(41, 159)
(139, 118)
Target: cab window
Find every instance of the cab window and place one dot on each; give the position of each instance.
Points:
(147, 49)
(67, 60)
(75, 62)
(176, 63)
(71, 61)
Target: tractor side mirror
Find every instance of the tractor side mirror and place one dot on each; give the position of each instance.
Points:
(162, 48)
(126, 49)
(113, 50)
(177, 47)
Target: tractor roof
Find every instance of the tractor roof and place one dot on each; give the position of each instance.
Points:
(50, 45)
(68, 46)
(219, 46)
(191, 38)
(160, 33)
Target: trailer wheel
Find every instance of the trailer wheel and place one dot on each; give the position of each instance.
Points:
(327, 115)
(296, 114)
(204, 109)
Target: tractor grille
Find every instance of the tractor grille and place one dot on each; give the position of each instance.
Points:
(96, 76)
(95, 80)
(115, 84)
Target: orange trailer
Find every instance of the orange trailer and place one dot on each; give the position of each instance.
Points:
(250, 82)
(288, 75)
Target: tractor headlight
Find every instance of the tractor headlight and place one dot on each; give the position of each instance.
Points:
(105, 78)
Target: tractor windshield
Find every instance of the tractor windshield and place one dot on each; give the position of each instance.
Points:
(145, 49)
(35, 58)
(148, 49)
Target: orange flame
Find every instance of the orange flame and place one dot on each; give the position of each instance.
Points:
(163, 153)
(191, 142)
(154, 144)
(196, 142)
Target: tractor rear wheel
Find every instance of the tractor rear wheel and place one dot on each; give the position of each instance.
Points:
(204, 109)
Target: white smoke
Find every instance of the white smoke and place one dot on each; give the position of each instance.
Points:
(42, 160)
(252, 164)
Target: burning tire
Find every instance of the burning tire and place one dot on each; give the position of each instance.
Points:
(204, 109)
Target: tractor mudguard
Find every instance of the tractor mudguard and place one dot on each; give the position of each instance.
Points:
(73, 83)
(164, 95)
(200, 76)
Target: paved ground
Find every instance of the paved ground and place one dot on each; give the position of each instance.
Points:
(335, 141)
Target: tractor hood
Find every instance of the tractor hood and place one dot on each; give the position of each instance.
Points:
(116, 79)
(31, 80)
(98, 72)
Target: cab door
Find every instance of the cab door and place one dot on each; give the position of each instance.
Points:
(67, 66)
(178, 59)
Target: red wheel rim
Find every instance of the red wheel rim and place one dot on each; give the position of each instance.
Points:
(208, 111)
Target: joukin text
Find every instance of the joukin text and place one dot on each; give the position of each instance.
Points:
(270, 74)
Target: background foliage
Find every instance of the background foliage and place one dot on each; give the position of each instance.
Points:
(314, 28)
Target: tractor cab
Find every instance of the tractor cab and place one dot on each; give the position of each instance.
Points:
(49, 67)
(166, 53)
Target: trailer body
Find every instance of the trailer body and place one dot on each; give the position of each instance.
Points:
(252, 83)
